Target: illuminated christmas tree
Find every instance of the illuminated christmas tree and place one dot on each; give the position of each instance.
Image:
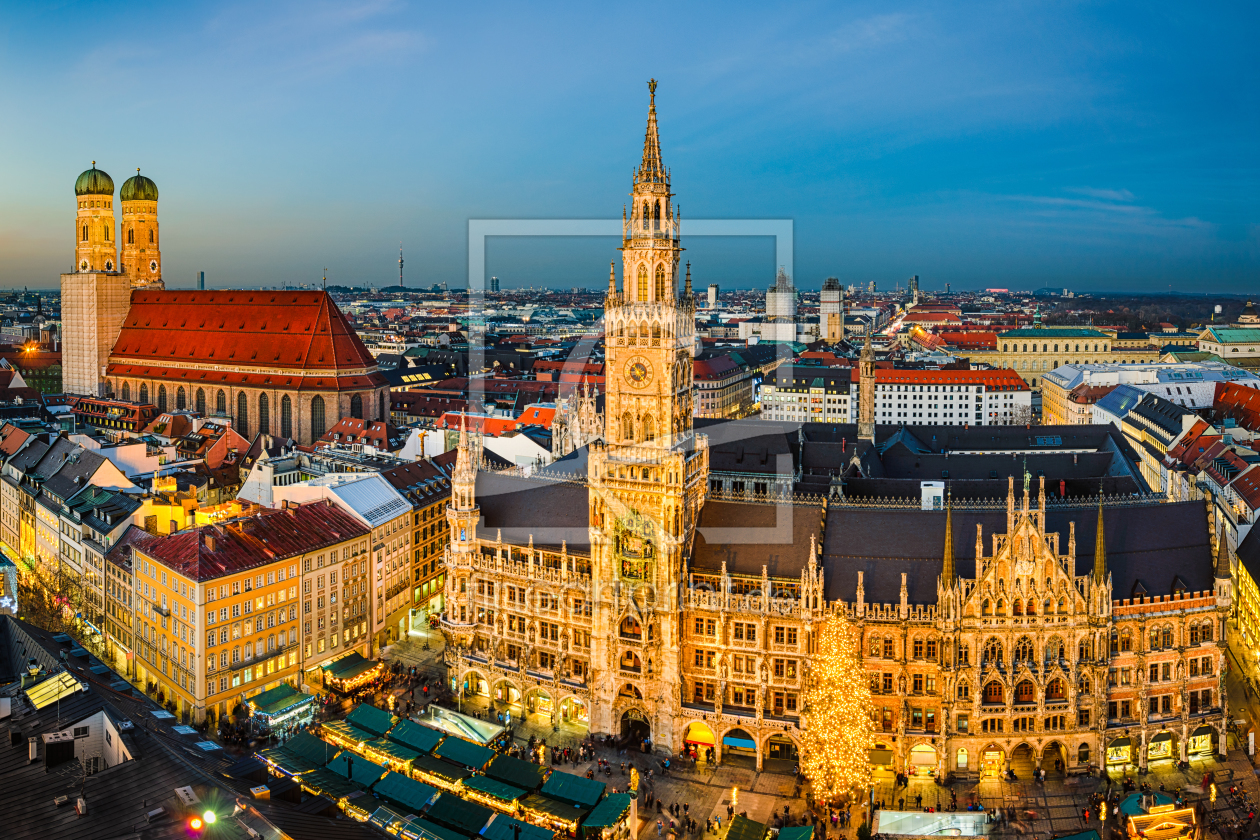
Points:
(837, 714)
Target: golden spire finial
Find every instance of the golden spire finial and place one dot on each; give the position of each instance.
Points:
(651, 90)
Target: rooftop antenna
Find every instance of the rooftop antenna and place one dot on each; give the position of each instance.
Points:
(325, 278)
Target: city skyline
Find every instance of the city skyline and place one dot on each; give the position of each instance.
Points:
(1060, 148)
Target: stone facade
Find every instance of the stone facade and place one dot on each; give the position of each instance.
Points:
(93, 306)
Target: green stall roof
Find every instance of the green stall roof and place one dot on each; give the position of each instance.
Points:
(348, 731)
(464, 753)
(332, 785)
(576, 790)
(395, 751)
(517, 772)
(797, 832)
(422, 829)
(356, 768)
(467, 818)
(500, 828)
(742, 828)
(553, 807)
(278, 699)
(442, 769)
(374, 720)
(404, 792)
(348, 667)
(416, 736)
(493, 787)
(611, 810)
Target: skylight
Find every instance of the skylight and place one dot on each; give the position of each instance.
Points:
(55, 688)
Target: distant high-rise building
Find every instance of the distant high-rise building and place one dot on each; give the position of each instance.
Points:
(781, 299)
(914, 289)
(494, 284)
(713, 295)
(872, 287)
(201, 281)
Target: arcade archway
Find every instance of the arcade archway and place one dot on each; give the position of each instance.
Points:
(922, 760)
(1054, 759)
(635, 729)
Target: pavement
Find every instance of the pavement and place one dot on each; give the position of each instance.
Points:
(1047, 809)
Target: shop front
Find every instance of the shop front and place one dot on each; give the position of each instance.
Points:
(351, 672)
(781, 747)
(992, 762)
(1200, 743)
(283, 709)
(881, 760)
(922, 761)
(1161, 747)
(1120, 752)
(575, 710)
(698, 739)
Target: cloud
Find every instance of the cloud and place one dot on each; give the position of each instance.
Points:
(1107, 195)
(1106, 207)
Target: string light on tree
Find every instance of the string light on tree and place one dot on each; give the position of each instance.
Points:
(837, 714)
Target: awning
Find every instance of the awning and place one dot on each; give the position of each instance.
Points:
(1162, 736)
(922, 758)
(1120, 743)
(279, 699)
(349, 667)
(881, 756)
(739, 743)
(493, 788)
(1203, 730)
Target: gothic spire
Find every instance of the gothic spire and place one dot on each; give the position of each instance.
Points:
(612, 279)
(651, 169)
(947, 567)
(1222, 557)
(1100, 545)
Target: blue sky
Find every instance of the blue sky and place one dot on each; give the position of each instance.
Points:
(1086, 145)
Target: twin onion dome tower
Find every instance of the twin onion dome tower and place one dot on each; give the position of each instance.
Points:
(97, 237)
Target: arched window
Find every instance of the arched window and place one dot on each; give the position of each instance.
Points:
(126, 392)
(220, 403)
(1025, 692)
(286, 416)
(1001, 607)
(660, 283)
(627, 427)
(317, 418)
(1031, 607)
(1055, 690)
(1166, 636)
(992, 654)
(242, 414)
(131, 236)
(380, 408)
(181, 400)
(150, 236)
(964, 690)
(1005, 349)
(1017, 607)
(356, 407)
(647, 216)
(986, 608)
(993, 692)
(961, 760)
(1082, 754)
(656, 335)
(1055, 650)
(264, 414)
(85, 233)
(1205, 632)
(200, 401)
(1062, 607)
(656, 216)
(144, 393)
(641, 286)
(1126, 641)
(1023, 650)
(649, 428)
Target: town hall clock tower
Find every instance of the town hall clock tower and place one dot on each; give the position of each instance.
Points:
(647, 479)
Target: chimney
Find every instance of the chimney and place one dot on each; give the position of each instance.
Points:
(209, 542)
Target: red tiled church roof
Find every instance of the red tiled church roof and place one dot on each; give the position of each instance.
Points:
(298, 333)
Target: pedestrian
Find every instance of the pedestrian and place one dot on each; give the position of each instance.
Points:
(658, 828)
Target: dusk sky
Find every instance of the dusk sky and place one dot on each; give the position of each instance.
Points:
(1093, 146)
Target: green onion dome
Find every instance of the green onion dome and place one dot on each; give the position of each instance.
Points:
(94, 182)
(138, 188)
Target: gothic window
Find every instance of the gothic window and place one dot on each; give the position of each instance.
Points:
(1025, 692)
(964, 690)
(656, 216)
(627, 427)
(1055, 650)
(1126, 641)
(656, 336)
(85, 233)
(1062, 607)
(1083, 685)
(181, 400)
(1166, 636)
(264, 414)
(356, 407)
(1001, 607)
(1115, 642)
(220, 403)
(992, 654)
(150, 236)
(242, 414)
(107, 236)
(1023, 650)
(649, 428)
(286, 416)
(1205, 632)
(993, 692)
(660, 295)
(1032, 607)
(1048, 607)
(1056, 690)
(126, 392)
(131, 236)
(380, 407)
(647, 216)
(1017, 607)
(200, 401)
(144, 393)
(641, 286)
(317, 418)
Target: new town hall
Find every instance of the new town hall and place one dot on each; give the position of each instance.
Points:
(1021, 597)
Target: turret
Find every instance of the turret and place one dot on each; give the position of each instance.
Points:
(866, 391)
(1100, 547)
(947, 564)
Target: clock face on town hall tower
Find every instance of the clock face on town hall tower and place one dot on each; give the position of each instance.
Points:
(638, 371)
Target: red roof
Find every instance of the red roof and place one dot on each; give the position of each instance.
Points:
(375, 433)
(12, 438)
(974, 340)
(479, 423)
(994, 380)
(1239, 402)
(538, 415)
(236, 545)
(302, 334)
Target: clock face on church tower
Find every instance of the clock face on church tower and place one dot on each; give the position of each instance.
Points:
(638, 372)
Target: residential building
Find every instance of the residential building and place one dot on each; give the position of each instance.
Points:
(428, 489)
(1192, 385)
(1034, 352)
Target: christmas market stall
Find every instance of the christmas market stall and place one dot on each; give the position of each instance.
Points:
(492, 793)
(742, 828)
(503, 827)
(422, 829)
(1159, 822)
(797, 832)
(563, 802)
(404, 794)
(282, 708)
(416, 736)
(613, 818)
(361, 774)
(351, 672)
(441, 774)
(464, 753)
(300, 754)
(459, 815)
(390, 754)
(518, 772)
